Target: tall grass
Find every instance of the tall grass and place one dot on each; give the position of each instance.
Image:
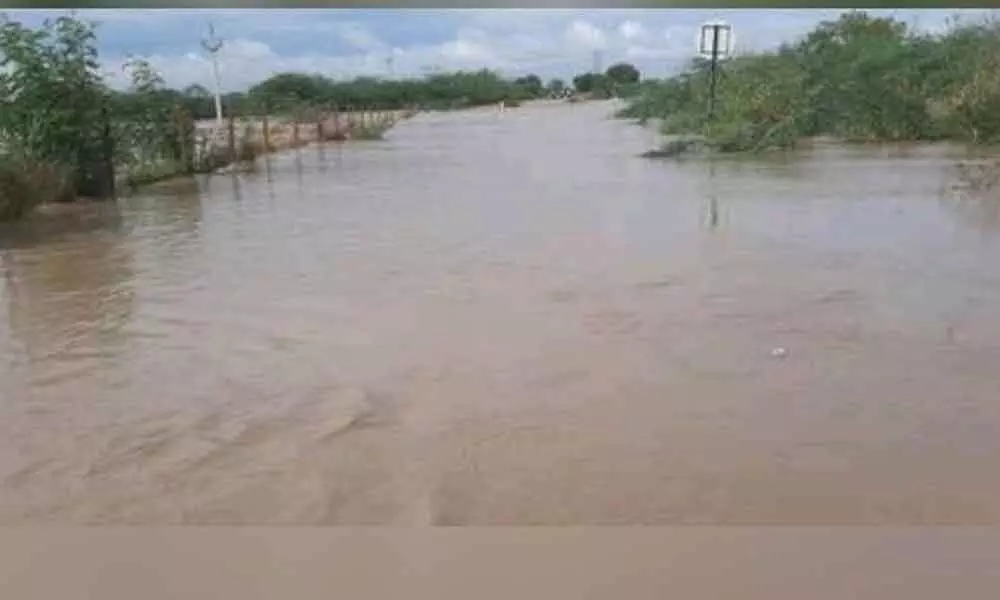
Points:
(373, 127)
(26, 183)
(858, 78)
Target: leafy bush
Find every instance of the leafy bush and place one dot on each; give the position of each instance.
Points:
(857, 78)
(52, 96)
(25, 183)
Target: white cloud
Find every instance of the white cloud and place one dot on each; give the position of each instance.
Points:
(464, 52)
(583, 34)
(359, 37)
(246, 61)
(637, 52)
(551, 43)
(631, 30)
(241, 50)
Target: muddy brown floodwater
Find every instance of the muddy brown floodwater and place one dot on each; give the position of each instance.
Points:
(510, 319)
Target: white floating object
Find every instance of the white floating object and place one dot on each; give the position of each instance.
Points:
(779, 352)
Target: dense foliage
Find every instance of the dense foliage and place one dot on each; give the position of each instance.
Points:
(64, 133)
(53, 100)
(619, 80)
(858, 78)
(293, 91)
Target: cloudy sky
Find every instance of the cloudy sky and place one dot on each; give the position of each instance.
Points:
(345, 43)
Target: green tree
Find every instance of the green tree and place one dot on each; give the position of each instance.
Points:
(531, 84)
(53, 96)
(148, 120)
(858, 73)
(286, 90)
(598, 85)
(196, 91)
(622, 73)
(586, 82)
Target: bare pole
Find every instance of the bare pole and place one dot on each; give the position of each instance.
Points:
(212, 45)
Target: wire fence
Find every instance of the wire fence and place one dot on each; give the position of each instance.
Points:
(142, 147)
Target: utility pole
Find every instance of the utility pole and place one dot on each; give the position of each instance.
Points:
(597, 62)
(212, 45)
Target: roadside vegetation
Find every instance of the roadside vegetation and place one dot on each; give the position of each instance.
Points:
(620, 80)
(66, 134)
(50, 124)
(857, 79)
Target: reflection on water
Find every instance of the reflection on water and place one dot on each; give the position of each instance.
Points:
(510, 319)
(712, 220)
(174, 206)
(973, 194)
(68, 285)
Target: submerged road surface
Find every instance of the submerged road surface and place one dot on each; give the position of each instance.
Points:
(510, 319)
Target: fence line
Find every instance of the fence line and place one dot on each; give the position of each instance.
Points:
(245, 138)
(204, 147)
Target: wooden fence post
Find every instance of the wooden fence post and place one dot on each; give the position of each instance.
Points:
(249, 136)
(266, 131)
(108, 147)
(185, 139)
(232, 138)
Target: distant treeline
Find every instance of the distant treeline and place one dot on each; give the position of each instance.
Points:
(857, 78)
(288, 92)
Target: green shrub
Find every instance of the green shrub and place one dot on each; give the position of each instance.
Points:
(25, 184)
(858, 78)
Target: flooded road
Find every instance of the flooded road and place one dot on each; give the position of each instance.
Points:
(510, 319)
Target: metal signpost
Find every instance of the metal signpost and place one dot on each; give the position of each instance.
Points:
(715, 41)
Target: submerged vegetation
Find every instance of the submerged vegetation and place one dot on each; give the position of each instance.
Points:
(859, 78)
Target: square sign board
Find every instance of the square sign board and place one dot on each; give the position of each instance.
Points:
(725, 40)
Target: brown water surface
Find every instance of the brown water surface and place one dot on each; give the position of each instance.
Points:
(510, 319)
